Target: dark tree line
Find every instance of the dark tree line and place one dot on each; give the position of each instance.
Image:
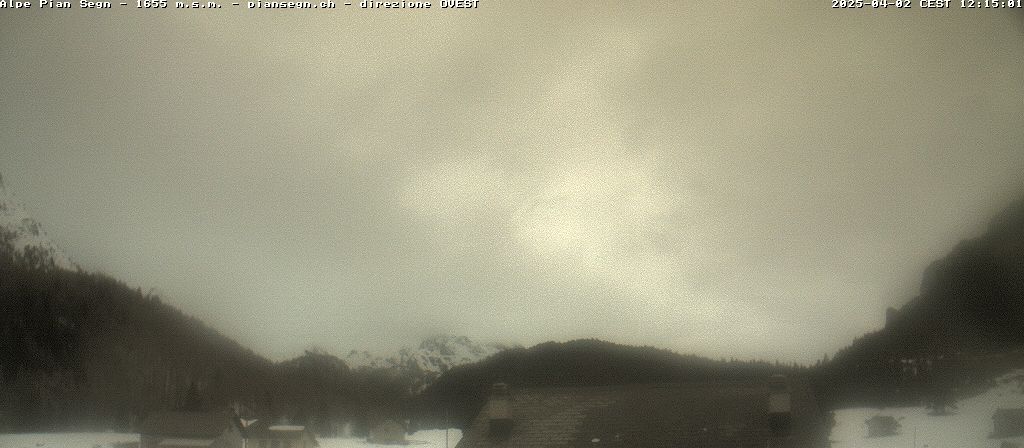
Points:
(457, 396)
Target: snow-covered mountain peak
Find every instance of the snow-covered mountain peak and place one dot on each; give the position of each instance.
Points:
(457, 346)
(434, 356)
(27, 235)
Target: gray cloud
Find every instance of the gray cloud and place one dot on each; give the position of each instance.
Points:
(750, 180)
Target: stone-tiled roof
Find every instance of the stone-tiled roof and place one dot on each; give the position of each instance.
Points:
(726, 414)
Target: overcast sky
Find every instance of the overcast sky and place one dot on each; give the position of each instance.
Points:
(750, 179)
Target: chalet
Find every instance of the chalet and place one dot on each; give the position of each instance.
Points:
(1008, 423)
(733, 414)
(191, 430)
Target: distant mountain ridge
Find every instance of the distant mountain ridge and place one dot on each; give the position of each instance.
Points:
(27, 235)
(422, 365)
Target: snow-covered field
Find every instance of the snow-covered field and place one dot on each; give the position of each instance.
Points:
(68, 440)
(968, 427)
(434, 438)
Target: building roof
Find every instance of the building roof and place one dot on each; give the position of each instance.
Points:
(727, 414)
(187, 425)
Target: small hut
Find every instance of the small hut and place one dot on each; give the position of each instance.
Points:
(882, 426)
(262, 433)
(388, 432)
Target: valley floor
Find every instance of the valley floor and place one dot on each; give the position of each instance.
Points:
(434, 438)
(421, 439)
(970, 425)
(69, 440)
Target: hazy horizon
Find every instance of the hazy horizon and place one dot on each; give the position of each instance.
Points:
(748, 180)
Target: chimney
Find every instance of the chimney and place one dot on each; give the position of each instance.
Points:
(498, 410)
(779, 406)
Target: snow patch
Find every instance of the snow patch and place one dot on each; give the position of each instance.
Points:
(67, 440)
(28, 232)
(424, 364)
(969, 426)
(434, 438)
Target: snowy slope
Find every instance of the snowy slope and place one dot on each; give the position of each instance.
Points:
(67, 440)
(435, 438)
(969, 426)
(434, 356)
(27, 232)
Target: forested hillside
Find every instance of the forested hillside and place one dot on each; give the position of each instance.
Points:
(458, 395)
(963, 328)
(82, 350)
